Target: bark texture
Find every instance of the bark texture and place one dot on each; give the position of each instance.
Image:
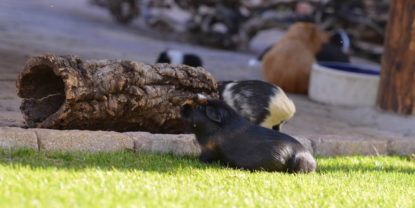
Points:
(65, 92)
(397, 84)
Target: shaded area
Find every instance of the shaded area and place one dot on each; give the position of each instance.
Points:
(125, 160)
(43, 92)
(128, 160)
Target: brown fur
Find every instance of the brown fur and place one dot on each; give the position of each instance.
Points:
(289, 61)
(211, 146)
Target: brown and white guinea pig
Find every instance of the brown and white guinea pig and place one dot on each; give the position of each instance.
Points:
(288, 63)
(176, 57)
(260, 102)
(227, 137)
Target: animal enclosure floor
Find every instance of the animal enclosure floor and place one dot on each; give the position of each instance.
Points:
(29, 28)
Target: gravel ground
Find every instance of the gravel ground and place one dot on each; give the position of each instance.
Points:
(29, 28)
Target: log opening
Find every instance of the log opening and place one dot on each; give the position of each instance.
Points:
(43, 93)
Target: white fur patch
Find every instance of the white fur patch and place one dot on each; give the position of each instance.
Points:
(227, 95)
(202, 97)
(280, 108)
(242, 98)
(346, 41)
(246, 109)
(176, 57)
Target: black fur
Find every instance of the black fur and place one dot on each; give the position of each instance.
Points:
(330, 52)
(163, 58)
(227, 137)
(336, 40)
(222, 85)
(333, 51)
(188, 59)
(192, 60)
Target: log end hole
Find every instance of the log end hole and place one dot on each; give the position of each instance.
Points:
(43, 93)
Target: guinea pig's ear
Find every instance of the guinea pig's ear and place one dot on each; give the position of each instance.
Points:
(213, 114)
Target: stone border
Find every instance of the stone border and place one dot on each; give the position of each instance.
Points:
(184, 144)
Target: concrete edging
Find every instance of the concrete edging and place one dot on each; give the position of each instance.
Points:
(184, 144)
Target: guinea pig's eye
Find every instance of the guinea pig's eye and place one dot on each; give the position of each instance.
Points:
(185, 110)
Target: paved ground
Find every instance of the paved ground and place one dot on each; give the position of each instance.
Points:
(29, 28)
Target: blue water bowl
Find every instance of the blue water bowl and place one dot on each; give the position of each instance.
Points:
(347, 67)
(344, 84)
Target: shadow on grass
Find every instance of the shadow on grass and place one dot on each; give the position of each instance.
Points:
(128, 161)
(125, 160)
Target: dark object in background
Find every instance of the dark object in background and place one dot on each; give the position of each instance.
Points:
(260, 102)
(218, 26)
(337, 49)
(331, 53)
(176, 57)
(227, 137)
(342, 40)
(66, 92)
(123, 11)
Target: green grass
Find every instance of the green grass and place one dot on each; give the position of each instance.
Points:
(126, 179)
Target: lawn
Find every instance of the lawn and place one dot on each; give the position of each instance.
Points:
(125, 179)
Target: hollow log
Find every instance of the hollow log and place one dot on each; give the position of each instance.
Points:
(66, 92)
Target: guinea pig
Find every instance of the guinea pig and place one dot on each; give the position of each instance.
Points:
(227, 137)
(177, 57)
(341, 39)
(336, 50)
(288, 63)
(260, 102)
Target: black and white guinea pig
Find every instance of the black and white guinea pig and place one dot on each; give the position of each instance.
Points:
(177, 57)
(337, 49)
(260, 102)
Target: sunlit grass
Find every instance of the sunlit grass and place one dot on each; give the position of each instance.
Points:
(126, 179)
